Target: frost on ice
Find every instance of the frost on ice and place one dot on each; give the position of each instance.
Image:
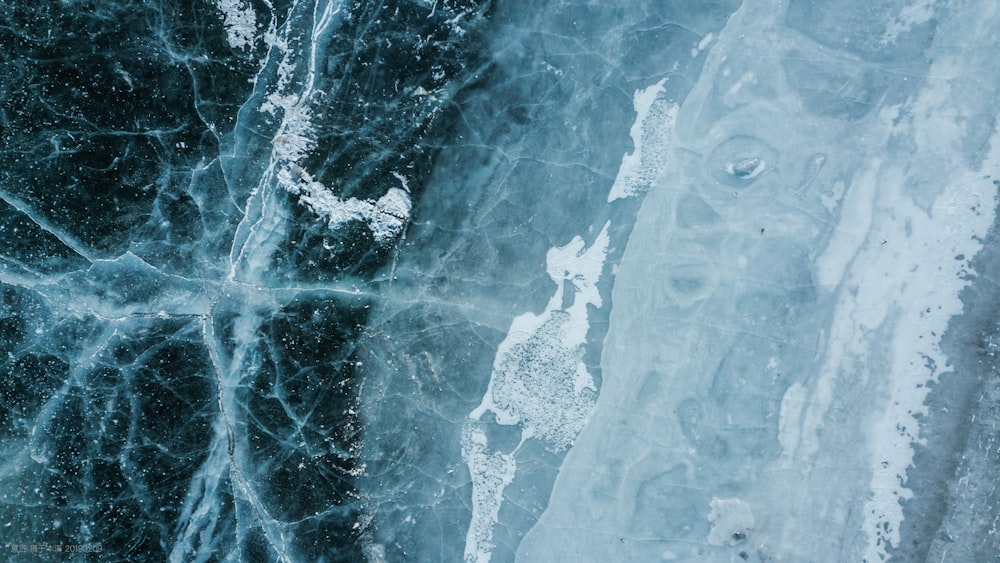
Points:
(539, 382)
(240, 22)
(650, 133)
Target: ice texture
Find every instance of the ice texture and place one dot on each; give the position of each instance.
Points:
(539, 382)
(240, 22)
(195, 201)
(650, 133)
(779, 312)
(731, 521)
(460, 280)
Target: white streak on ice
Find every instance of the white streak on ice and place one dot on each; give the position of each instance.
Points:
(539, 381)
(703, 44)
(385, 217)
(789, 418)
(493, 472)
(927, 276)
(651, 137)
(920, 12)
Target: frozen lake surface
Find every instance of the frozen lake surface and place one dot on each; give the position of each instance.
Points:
(446, 280)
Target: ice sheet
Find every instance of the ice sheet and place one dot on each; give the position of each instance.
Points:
(777, 329)
(336, 280)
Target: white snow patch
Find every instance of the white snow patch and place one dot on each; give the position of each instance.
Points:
(539, 381)
(702, 45)
(731, 521)
(240, 22)
(917, 13)
(650, 134)
(386, 217)
(491, 472)
(789, 418)
(930, 300)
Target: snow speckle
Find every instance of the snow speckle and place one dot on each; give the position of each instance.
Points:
(386, 217)
(650, 136)
(539, 382)
(240, 23)
(491, 473)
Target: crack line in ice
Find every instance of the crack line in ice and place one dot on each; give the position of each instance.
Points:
(385, 217)
(250, 253)
(67, 239)
(956, 223)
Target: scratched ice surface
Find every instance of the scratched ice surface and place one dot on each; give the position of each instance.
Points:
(446, 280)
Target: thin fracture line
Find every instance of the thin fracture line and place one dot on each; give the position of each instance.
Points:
(68, 240)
